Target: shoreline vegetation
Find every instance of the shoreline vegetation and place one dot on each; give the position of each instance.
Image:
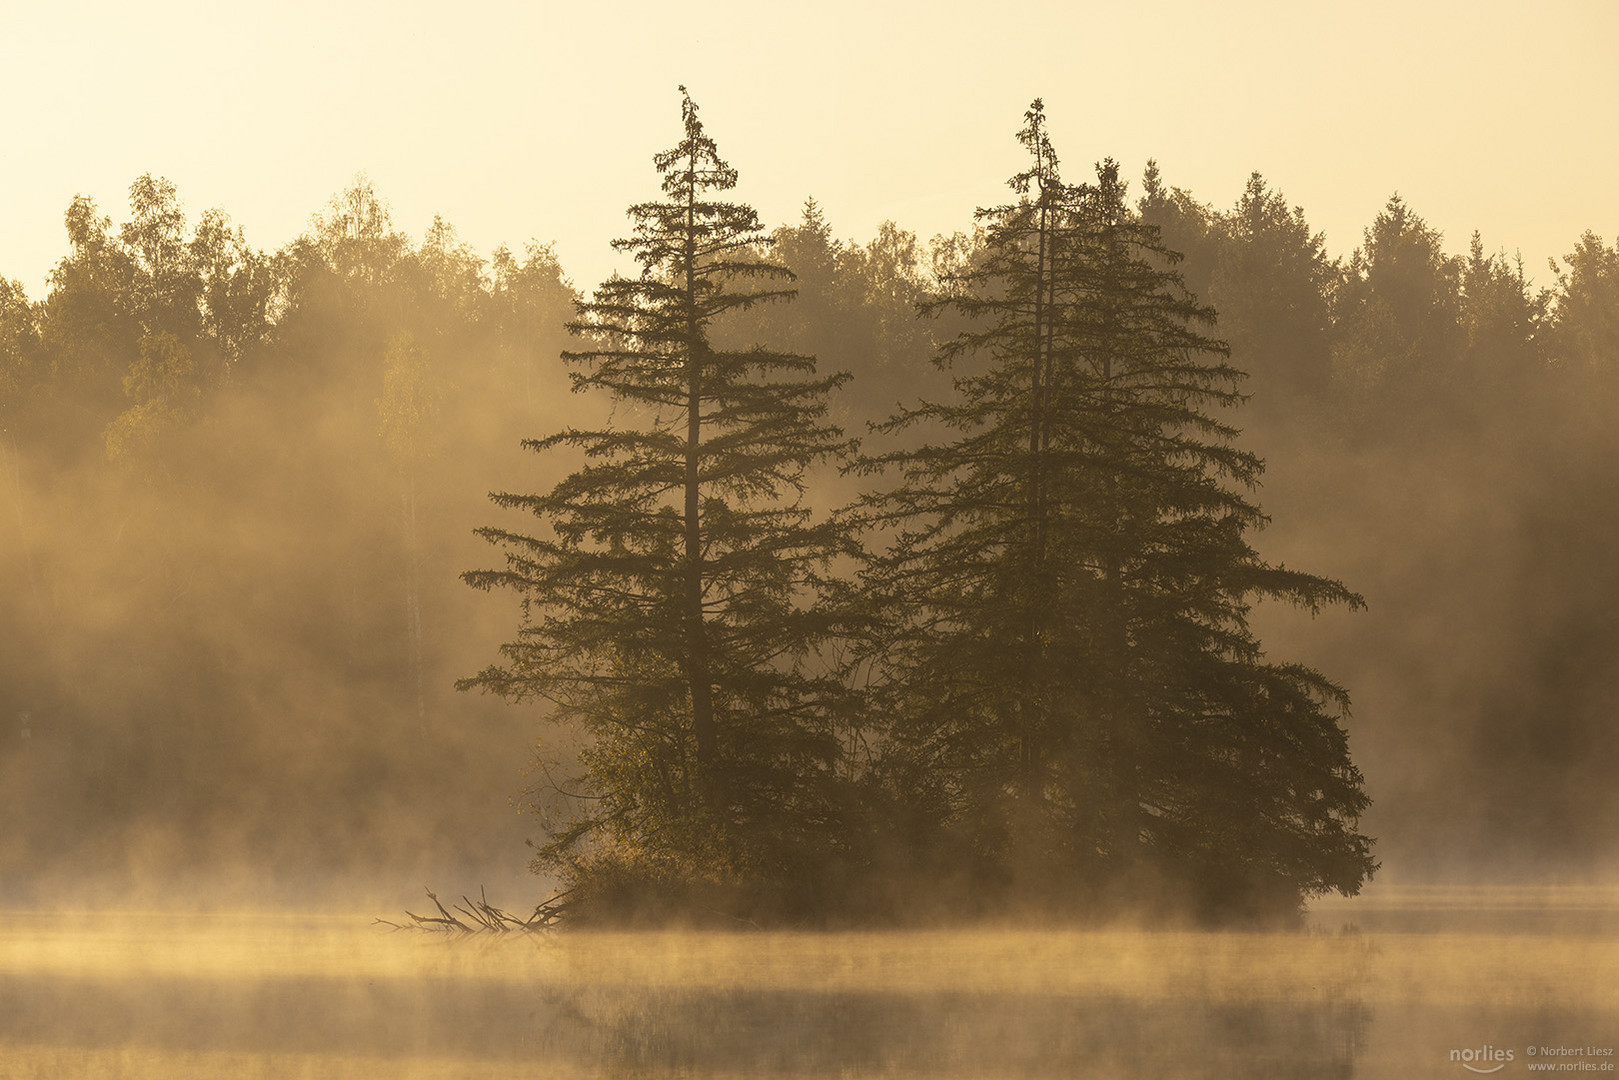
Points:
(1015, 673)
(858, 584)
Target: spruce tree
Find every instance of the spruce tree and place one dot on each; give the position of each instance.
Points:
(671, 602)
(968, 597)
(1271, 281)
(1074, 689)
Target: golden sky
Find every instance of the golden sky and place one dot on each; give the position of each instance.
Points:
(539, 120)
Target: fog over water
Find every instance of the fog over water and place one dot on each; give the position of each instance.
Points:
(1414, 975)
(242, 460)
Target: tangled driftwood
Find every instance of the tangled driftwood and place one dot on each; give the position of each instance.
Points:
(482, 917)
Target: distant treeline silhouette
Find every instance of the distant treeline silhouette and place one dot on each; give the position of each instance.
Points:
(997, 655)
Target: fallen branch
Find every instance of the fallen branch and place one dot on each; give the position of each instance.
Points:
(482, 917)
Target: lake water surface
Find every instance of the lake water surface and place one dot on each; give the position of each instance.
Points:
(1384, 986)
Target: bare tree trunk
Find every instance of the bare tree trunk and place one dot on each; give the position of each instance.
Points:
(697, 674)
(1035, 720)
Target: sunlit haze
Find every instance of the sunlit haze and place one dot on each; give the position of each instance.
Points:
(537, 121)
(1172, 631)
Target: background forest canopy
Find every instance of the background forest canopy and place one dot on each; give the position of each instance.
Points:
(242, 485)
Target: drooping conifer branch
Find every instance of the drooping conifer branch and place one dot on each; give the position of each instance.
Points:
(672, 596)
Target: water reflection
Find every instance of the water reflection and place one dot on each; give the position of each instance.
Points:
(962, 1034)
(670, 1032)
(327, 998)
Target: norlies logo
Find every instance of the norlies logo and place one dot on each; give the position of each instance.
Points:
(1476, 1060)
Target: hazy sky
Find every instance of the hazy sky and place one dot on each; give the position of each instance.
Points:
(539, 120)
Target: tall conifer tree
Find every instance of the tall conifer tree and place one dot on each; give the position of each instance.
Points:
(1072, 681)
(973, 641)
(670, 605)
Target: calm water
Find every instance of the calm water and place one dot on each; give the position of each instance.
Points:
(1386, 986)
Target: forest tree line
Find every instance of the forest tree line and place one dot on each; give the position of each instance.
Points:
(243, 485)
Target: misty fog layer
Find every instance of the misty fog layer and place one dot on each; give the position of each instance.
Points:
(239, 488)
(160, 995)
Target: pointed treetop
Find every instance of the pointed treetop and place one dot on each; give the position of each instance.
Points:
(1152, 183)
(815, 222)
(1043, 173)
(704, 168)
(688, 113)
(1110, 187)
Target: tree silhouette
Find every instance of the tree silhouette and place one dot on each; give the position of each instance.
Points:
(670, 604)
(1075, 693)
